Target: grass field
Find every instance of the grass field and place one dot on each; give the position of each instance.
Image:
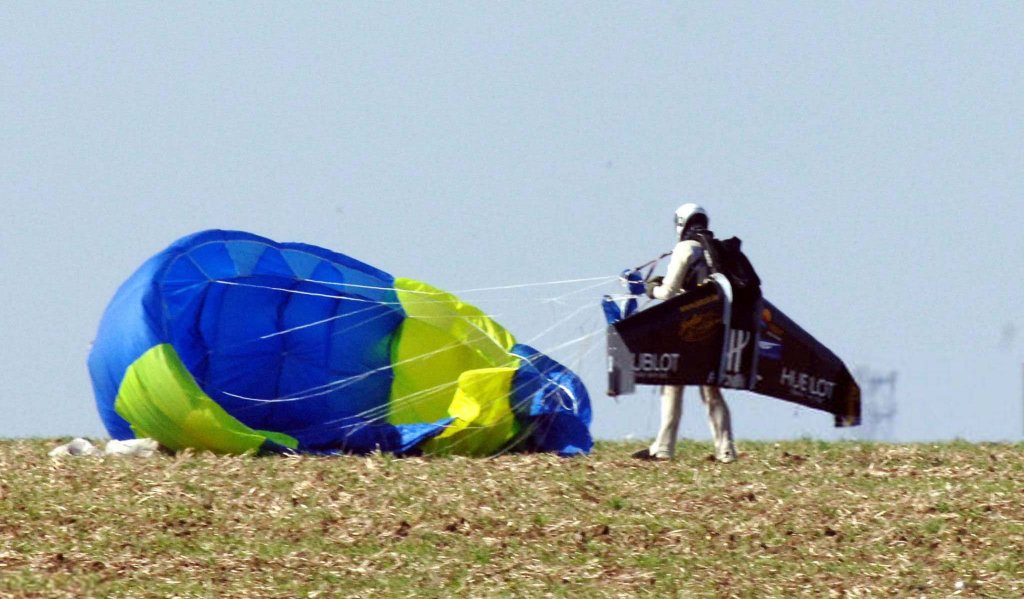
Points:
(796, 518)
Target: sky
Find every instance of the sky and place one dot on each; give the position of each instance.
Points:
(869, 154)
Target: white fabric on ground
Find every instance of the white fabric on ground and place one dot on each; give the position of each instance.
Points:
(142, 448)
(76, 447)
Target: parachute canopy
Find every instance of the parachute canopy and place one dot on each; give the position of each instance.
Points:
(231, 342)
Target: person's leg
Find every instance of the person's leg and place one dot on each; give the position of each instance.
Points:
(664, 446)
(720, 423)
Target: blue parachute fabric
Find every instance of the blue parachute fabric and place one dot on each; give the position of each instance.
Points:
(634, 281)
(612, 312)
(137, 329)
(296, 339)
(256, 324)
(238, 346)
(617, 309)
(553, 402)
(362, 436)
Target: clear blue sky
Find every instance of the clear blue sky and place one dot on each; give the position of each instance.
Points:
(871, 156)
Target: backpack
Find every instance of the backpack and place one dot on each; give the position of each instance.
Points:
(725, 256)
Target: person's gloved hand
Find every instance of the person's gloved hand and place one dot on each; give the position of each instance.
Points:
(651, 283)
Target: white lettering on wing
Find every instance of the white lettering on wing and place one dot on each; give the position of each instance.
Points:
(738, 341)
(805, 385)
(652, 362)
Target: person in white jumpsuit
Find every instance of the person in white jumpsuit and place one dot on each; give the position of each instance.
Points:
(687, 264)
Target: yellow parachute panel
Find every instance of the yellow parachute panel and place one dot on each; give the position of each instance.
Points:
(162, 401)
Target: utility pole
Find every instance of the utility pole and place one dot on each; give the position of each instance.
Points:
(878, 404)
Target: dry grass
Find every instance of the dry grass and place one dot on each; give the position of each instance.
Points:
(800, 518)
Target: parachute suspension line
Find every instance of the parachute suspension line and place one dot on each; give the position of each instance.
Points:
(373, 305)
(572, 342)
(558, 299)
(373, 414)
(298, 292)
(534, 423)
(341, 383)
(237, 344)
(330, 387)
(604, 279)
(333, 386)
(325, 321)
(595, 323)
(586, 338)
(378, 412)
(588, 348)
(333, 296)
(277, 318)
(571, 315)
(327, 388)
(568, 392)
(462, 291)
(621, 296)
(521, 435)
(337, 297)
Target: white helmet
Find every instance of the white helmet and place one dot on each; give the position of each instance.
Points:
(685, 213)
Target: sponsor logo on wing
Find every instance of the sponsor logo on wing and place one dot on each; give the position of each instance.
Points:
(770, 349)
(651, 362)
(699, 327)
(738, 341)
(770, 326)
(802, 384)
(699, 303)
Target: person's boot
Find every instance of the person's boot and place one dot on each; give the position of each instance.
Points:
(725, 454)
(645, 454)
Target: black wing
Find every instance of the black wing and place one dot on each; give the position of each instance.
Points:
(704, 337)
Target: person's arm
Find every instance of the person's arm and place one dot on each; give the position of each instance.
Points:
(684, 255)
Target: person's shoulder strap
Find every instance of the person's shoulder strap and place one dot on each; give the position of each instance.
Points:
(707, 241)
